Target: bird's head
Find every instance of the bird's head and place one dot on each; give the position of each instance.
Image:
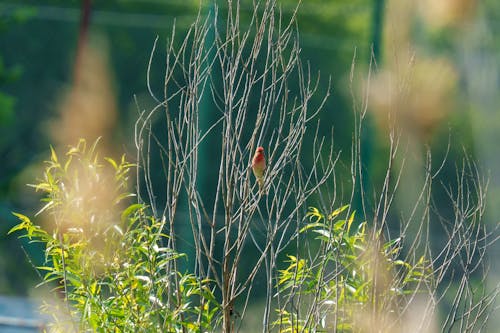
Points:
(260, 150)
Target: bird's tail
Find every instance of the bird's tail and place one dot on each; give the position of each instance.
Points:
(260, 180)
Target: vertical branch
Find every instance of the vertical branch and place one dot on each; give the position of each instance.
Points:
(82, 38)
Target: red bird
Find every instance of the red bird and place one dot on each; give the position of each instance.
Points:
(259, 166)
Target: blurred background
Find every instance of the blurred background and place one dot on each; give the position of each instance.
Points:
(71, 69)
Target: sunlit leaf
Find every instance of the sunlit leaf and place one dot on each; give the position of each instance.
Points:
(130, 210)
(337, 211)
(312, 225)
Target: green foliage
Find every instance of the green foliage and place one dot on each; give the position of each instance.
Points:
(111, 261)
(288, 322)
(354, 275)
(9, 74)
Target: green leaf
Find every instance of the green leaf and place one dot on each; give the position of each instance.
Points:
(337, 211)
(402, 263)
(323, 232)
(53, 155)
(349, 222)
(112, 162)
(314, 213)
(44, 208)
(391, 243)
(25, 223)
(123, 196)
(339, 225)
(313, 225)
(46, 268)
(361, 288)
(130, 210)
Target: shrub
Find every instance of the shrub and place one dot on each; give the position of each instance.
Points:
(107, 260)
(354, 280)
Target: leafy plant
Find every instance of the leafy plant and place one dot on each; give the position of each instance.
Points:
(109, 260)
(355, 275)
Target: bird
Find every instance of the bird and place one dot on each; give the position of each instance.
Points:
(259, 166)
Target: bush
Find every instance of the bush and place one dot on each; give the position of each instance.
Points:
(354, 280)
(110, 263)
